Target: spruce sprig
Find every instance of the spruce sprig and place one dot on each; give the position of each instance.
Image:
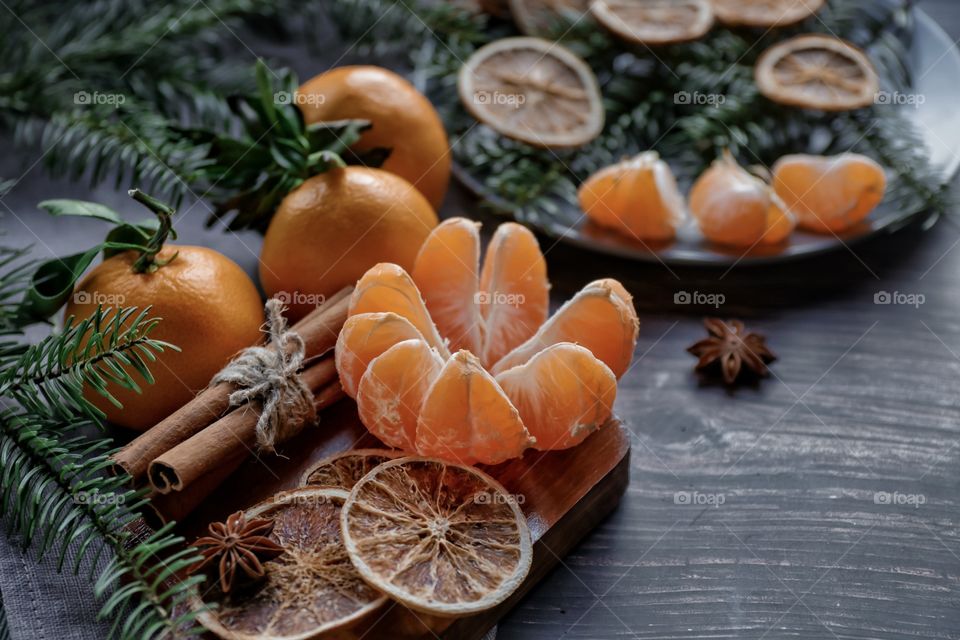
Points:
(55, 491)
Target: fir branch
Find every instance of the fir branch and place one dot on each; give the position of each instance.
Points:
(50, 377)
(56, 495)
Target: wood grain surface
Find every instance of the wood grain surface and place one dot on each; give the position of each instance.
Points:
(822, 503)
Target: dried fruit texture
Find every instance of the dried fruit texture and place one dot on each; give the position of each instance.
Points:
(342, 470)
(533, 90)
(734, 207)
(441, 539)
(654, 22)
(817, 72)
(829, 194)
(542, 17)
(414, 395)
(764, 13)
(313, 588)
(638, 198)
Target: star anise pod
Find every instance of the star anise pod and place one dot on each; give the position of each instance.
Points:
(239, 547)
(731, 347)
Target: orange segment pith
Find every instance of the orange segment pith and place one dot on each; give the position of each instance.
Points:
(393, 389)
(467, 417)
(563, 395)
(365, 337)
(515, 298)
(387, 287)
(600, 317)
(446, 273)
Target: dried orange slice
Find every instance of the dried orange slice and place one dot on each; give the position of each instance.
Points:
(736, 208)
(817, 72)
(533, 90)
(342, 470)
(654, 22)
(439, 538)
(638, 197)
(544, 17)
(312, 589)
(764, 13)
(829, 194)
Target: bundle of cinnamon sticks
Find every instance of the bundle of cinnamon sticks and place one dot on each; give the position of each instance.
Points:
(191, 452)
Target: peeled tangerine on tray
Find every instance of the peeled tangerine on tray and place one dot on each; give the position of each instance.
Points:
(637, 197)
(829, 194)
(462, 363)
(735, 207)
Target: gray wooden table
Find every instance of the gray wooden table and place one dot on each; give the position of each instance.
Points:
(822, 503)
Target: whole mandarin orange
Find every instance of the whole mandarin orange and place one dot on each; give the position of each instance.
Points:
(328, 231)
(403, 120)
(209, 308)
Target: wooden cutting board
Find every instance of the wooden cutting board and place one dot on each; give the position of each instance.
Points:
(564, 494)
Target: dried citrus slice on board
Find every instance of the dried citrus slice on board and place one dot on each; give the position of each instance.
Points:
(764, 13)
(439, 538)
(829, 194)
(817, 72)
(533, 90)
(342, 470)
(310, 590)
(654, 22)
(544, 17)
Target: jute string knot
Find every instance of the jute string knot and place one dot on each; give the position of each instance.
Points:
(269, 374)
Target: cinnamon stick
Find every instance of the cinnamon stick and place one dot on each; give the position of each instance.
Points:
(319, 330)
(232, 435)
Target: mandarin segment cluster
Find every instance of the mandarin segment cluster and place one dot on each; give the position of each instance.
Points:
(462, 363)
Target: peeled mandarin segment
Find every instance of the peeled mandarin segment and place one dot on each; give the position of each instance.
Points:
(515, 294)
(445, 271)
(600, 317)
(731, 206)
(467, 418)
(442, 539)
(829, 194)
(393, 389)
(638, 197)
(780, 224)
(363, 338)
(388, 288)
(563, 395)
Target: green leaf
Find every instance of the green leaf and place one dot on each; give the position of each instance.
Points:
(128, 234)
(82, 209)
(52, 284)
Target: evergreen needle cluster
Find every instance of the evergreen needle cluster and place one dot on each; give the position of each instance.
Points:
(55, 492)
(641, 89)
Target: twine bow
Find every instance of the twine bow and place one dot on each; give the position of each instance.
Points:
(269, 374)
